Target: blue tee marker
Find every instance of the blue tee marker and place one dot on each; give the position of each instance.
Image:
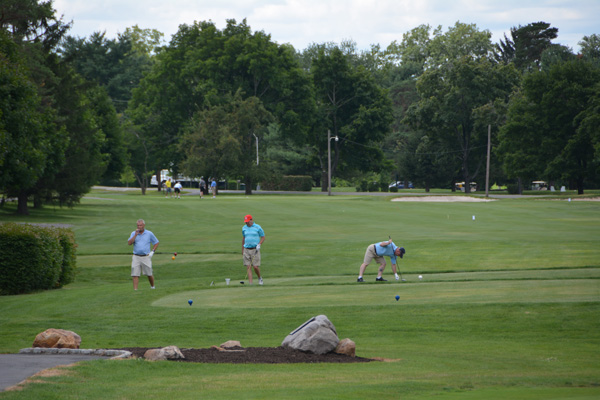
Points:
(190, 302)
(397, 297)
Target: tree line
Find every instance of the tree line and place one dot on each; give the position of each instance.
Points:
(78, 111)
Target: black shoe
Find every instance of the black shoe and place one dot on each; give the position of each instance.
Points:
(360, 280)
(380, 279)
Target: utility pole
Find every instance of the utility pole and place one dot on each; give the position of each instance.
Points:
(487, 169)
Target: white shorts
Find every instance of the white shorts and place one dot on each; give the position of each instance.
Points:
(141, 264)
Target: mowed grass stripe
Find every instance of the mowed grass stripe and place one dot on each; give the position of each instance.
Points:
(480, 292)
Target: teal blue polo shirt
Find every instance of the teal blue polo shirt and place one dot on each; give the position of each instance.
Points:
(252, 235)
(386, 251)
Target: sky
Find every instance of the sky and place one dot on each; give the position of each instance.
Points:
(303, 22)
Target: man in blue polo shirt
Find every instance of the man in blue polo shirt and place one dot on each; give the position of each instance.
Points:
(252, 237)
(377, 251)
(144, 245)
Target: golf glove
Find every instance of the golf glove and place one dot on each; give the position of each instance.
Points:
(258, 247)
(151, 253)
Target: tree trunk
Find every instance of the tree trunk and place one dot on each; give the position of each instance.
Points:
(37, 201)
(324, 182)
(580, 186)
(248, 188)
(22, 203)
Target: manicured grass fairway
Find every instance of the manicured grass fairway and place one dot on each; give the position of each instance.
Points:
(509, 304)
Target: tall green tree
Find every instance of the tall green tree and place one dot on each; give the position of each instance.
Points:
(29, 32)
(201, 68)
(229, 131)
(67, 157)
(352, 107)
(450, 98)
(525, 46)
(25, 126)
(115, 64)
(551, 126)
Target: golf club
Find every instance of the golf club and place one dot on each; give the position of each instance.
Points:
(242, 282)
(398, 267)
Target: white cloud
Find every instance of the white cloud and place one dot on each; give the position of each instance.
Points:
(302, 22)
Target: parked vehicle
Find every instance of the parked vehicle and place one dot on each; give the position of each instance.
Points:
(400, 185)
(539, 185)
(166, 174)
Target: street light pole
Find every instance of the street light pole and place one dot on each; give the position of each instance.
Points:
(329, 160)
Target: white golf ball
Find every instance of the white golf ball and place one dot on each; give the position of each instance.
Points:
(420, 277)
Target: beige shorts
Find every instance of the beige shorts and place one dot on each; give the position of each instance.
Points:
(251, 257)
(370, 255)
(141, 265)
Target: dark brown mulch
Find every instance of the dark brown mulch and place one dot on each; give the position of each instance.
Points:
(255, 355)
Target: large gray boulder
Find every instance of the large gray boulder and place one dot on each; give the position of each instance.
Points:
(317, 335)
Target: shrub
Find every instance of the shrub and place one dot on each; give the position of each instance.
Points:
(297, 183)
(363, 186)
(35, 258)
(394, 189)
(512, 188)
(373, 187)
(69, 259)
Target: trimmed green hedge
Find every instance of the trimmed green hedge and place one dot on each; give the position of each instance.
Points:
(35, 258)
(296, 183)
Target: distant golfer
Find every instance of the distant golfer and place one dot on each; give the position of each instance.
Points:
(177, 188)
(252, 237)
(377, 251)
(213, 187)
(144, 245)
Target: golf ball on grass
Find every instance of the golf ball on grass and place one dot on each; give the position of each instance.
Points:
(420, 277)
(397, 297)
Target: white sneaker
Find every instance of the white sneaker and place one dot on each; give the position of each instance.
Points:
(152, 287)
(260, 281)
(397, 277)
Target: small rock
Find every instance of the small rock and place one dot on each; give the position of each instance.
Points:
(166, 353)
(346, 346)
(231, 343)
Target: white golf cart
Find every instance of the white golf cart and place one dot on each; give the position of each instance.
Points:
(461, 186)
(539, 185)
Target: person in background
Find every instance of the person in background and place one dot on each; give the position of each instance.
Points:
(168, 184)
(178, 188)
(253, 237)
(213, 187)
(144, 245)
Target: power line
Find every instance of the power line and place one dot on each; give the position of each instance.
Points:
(418, 154)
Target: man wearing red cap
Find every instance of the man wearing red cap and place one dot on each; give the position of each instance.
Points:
(253, 237)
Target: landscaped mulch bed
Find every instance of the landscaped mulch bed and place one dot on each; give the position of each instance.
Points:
(255, 355)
